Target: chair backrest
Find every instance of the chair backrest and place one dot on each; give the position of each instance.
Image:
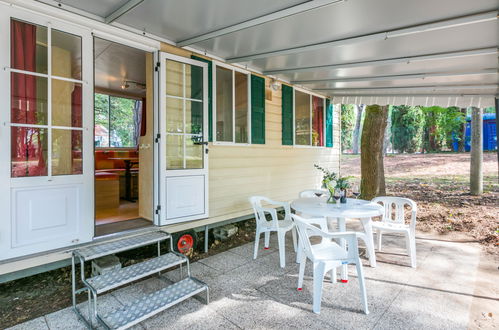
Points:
(308, 228)
(311, 193)
(261, 211)
(395, 209)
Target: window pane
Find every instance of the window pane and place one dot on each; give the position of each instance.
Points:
(302, 121)
(28, 151)
(194, 82)
(174, 152)
(224, 104)
(122, 122)
(66, 55)
(241, 91)
(174, 115)
(101, 128)
(66, 103)
(28, 46)
(194, 152)
(66, 152)
(317, 121)
(28, 99)
(174, 78)
(193, 117)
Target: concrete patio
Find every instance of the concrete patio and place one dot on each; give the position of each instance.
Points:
(257, 294)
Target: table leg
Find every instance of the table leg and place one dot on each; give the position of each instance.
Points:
(128, 181)
(343, 243)
(368, 229)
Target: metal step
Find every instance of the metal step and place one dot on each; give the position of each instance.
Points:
(147, 306)
(114, 279)
(120, 245)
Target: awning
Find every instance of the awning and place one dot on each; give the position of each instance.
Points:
(385, 51)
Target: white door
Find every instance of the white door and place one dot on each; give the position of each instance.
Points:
(183, 152)
(46, 140)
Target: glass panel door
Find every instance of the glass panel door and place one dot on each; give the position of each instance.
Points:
(45, 178)
(183, 147)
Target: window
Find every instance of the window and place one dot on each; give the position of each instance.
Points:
(232, 108)
(309, 119)
(46, 101)
(117, 121)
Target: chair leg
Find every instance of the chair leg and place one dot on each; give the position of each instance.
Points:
(267, 240)
(293, 233)
(379, 238)
(299, 252)
(301, 273)
(411, 247)
(333, 276)
(257, 241)
(360, 275)
(282, 248)
(318, 282)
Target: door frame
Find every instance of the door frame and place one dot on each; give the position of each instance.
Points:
(160, 141)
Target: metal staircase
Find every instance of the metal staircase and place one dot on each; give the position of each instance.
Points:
(145, 307)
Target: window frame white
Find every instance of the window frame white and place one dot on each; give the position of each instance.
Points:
(311, 94)
(214, 104)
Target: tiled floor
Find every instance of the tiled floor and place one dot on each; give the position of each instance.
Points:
(258, 294)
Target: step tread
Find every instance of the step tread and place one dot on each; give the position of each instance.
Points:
(151, 304)
(124, 244)
(119, 277)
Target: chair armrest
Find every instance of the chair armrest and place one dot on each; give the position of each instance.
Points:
(272, 212)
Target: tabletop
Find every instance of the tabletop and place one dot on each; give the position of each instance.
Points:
(133, 159)
(318, 207)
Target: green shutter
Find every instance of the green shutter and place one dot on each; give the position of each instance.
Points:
(210, 94)
(287, 115)
(257, 110)
(329, 123)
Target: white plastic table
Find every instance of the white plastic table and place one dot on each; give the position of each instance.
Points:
(353, 209)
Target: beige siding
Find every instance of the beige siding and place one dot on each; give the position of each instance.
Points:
(273, 170)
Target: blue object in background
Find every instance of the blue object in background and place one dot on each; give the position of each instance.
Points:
(489, 133)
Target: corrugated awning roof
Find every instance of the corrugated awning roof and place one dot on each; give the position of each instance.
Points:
(424, 51)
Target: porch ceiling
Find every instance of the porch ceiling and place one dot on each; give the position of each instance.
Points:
(330, 40)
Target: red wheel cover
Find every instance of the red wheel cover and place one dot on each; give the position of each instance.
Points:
(185, 243)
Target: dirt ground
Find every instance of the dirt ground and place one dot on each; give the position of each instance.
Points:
(439, 184)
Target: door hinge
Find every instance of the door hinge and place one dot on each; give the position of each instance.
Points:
(158, 208)
(158, 65)
(158, 136)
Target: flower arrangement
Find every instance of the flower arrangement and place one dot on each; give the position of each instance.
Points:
(331, 181)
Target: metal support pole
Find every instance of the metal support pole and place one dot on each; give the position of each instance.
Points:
(206, 239)
(476, 164)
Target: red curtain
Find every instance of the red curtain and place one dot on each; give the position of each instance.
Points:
(318, 119)
(76, 136)
(26, 143)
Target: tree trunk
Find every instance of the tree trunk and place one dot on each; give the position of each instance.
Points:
(356, 131)
(462, 134)
(388, 132)
(371, 162)
(476, 173)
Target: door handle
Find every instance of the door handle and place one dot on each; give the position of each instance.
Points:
(201, 143)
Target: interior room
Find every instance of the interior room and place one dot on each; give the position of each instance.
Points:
(122, 137)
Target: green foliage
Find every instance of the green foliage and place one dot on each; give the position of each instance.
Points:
(328, 177)
(440, 124)
(407, 128)
(347, 126)
(117, 117)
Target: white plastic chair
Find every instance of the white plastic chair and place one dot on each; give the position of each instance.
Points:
(311, 193)
(327, 256)
(393, 220)
(265, 226)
